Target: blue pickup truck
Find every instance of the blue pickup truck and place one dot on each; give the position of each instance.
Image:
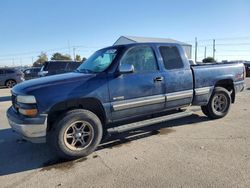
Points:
(118, 89)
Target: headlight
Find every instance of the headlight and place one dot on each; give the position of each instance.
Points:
(27, 99)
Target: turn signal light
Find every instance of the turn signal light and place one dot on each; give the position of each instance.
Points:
(28, 112)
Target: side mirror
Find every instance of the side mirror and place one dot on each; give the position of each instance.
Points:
(126, 68)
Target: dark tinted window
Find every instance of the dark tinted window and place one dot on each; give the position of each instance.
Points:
(8, 71)
(57, 65)
(1, 71)
(142, 58)
(171, 57)
(45, 66)
(73, 65)
(36, 70)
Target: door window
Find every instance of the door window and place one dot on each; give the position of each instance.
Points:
(142, 58)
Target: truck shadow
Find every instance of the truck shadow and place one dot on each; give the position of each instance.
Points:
(18, 155)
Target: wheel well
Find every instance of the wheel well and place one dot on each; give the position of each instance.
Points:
(228, 85)
(90, 104)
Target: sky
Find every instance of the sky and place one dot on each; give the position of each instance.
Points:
(28, 27)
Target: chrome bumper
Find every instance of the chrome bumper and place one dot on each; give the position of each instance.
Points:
(31, 129)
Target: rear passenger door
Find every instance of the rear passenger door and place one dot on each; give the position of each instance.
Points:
(177, 75)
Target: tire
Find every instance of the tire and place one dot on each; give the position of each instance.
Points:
(77, 134)
(204, 110)
(218, 105)
(10, 83)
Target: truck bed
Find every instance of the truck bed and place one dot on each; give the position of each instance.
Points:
(208, 74)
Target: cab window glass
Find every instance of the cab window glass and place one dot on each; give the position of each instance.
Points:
(171, 57)
(142, 58)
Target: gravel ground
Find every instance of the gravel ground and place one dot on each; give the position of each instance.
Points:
(189, 152)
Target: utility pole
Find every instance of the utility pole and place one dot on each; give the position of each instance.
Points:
(214, 48)
(205, 52)
(196, 46)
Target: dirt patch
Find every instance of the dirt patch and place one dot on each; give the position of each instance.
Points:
(166, 131)
(95, 156)
(60, 164)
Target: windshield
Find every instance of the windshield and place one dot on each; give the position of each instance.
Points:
(98, 62)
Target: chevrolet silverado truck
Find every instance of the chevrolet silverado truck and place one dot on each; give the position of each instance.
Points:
(120, 88)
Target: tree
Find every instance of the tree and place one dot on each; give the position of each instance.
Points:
(41, 59)
(59, 56)
(84, 59)
(78, 58)
(208, 60)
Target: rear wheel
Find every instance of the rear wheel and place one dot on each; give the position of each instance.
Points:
(77, 134)
(10, 83)
(218, 105)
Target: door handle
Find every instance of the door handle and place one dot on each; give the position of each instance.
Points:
(158, 79)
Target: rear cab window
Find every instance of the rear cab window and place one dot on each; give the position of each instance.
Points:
(171, 57)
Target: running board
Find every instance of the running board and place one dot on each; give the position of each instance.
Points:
(139, 124)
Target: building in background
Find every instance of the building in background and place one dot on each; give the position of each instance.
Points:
(131, 39)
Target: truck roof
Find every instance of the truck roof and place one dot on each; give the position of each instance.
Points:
(145, 43)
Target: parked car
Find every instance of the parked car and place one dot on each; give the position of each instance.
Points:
(113, 88)
(31, 73)
(10, 77)
(58, 67)
(247, 66)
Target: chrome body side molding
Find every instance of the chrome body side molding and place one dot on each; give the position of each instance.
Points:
(202, 90)
(133, 103)
(179, 95)
(155, 99)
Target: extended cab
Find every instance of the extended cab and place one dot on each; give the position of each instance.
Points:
(113, 88)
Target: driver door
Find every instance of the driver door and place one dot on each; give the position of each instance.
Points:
(140, 92)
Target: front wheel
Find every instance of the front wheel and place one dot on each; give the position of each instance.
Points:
(218, 105)
(77, 134)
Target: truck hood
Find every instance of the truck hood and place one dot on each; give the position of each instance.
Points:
(50, 81)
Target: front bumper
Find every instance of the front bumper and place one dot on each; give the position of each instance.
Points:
(31, 129)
